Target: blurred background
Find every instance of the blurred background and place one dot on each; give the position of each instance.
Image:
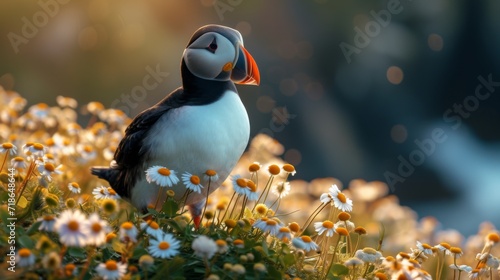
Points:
(404, 92)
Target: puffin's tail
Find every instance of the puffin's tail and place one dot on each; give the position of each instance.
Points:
(106, 173)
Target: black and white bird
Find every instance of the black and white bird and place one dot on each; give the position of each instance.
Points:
(200, 126)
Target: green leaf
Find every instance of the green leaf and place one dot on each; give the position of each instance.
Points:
(273, 273)
(76, 252)
(34, 228)
(118, 246)
(289, 259)
(138, 252)
(338, 270)
(26, 241)
(171, 268)
(170, 207)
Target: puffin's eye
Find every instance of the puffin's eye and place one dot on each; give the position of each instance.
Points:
(212, 47)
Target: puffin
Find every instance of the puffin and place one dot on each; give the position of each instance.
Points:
(202, 125)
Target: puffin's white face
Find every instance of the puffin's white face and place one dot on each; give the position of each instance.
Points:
(210, 55)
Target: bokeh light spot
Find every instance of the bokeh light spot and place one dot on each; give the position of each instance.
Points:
(265, 104)
(314, 90)
(435, 42)
(395, 75)
(399, 133)
(88, 38)
(244, 28)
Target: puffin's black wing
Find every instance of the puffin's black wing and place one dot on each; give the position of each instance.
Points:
(131, 152)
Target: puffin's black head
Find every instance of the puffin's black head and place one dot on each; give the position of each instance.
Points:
(216, 52)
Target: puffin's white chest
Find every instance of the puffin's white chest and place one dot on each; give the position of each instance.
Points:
(194, 139)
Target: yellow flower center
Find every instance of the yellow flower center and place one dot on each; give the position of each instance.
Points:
(96, 227)
(261, 208)
(49, 167)
(342, 231)
(426, 246)
(48, 218)
(164, 171)
(210, 173)
(87, 149)
(289, 168)
(343, 216)
(7, 145)
(163, 245)
(341, 197)
(110, 236)
(274, 169)
(242, 183)
(75, 185)
(404, 255)
(42, 106)
(294, 227)
(230, 223)
(254, 167)
(251, 185)
(328, 224)
(111, 265)
(73, 225)
(195, 180)
(360, 230)
(24, 253)
(238, 242)
(18, 159)
(38, 146)
(154, 225)
(284, 229)
(220, 242)
(456, 250)
(306, 239)
(111, 191)
(50, 142)
(49, 156)
(127, 225)
(494, 237)
(369, 250)
(445, 245)
(271, 222)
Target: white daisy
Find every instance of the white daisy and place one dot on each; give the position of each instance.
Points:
(98, 230)
(204, 247)
(18, 163)
(192, 182)
(211, 175)
(239, 184)
(353, 262)
(284, 234)
(74, 187)
(222, 247)
(305, 243)
(111, 270)
(345, 224)
(35, 150)
(8, 148)
(73, 228)
(165, 247)
(268, 225)
(162, 176)
(368, 255)
(290, 169)
(103, 192)
(425, 248)
(48, 169)
(86, 152)
(252, 194)
(281, 189)
(326, 226)
(152, 228)
(339, 200)
(47, 223)
(25, 257)
(128, 232)
(462, 267)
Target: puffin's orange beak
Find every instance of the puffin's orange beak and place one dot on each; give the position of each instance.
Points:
(245, 71)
